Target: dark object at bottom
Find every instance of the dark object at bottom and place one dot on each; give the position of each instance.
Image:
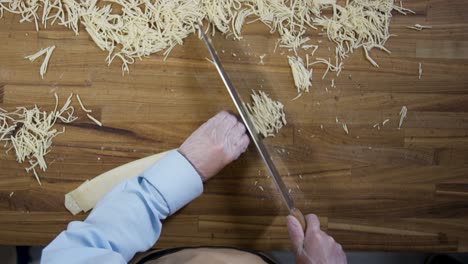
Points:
(442, 259)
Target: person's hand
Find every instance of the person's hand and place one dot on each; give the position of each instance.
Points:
(215, 144)
(316, 247)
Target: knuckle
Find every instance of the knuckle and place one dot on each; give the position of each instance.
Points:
(339, 247)
(313, 222)
(246, 145)
(242, 127)
(312, 218)
(247, 141)
(222, 115)
(232, 118)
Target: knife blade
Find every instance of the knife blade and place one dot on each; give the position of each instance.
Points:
(286, 197)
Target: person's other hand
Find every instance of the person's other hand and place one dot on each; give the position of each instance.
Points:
(215, 144)
(316, 247)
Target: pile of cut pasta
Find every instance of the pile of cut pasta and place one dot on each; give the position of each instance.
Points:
(132, 29)
(29, 132)
(266, 114)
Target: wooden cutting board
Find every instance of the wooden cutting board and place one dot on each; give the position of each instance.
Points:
(388, 189)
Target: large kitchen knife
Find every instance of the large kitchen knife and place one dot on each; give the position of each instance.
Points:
(253, 133)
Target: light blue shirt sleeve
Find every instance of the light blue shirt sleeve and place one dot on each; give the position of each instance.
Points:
(128, 219)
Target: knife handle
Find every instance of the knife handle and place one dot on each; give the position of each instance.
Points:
(300, 217)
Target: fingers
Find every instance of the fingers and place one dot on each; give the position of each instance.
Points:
(228, 121)
(219, 116)
(313, 224)
(342, 255)
(236, 138)
(296, 234)
(237, 132)
(240, 146)
(244, 143)
(318, 246)
(337, 253)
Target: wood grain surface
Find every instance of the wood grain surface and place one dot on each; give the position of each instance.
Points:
(388, 189)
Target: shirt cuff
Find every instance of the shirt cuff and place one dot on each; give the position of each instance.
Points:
(176, 180)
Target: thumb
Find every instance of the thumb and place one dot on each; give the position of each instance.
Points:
(296, 234)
